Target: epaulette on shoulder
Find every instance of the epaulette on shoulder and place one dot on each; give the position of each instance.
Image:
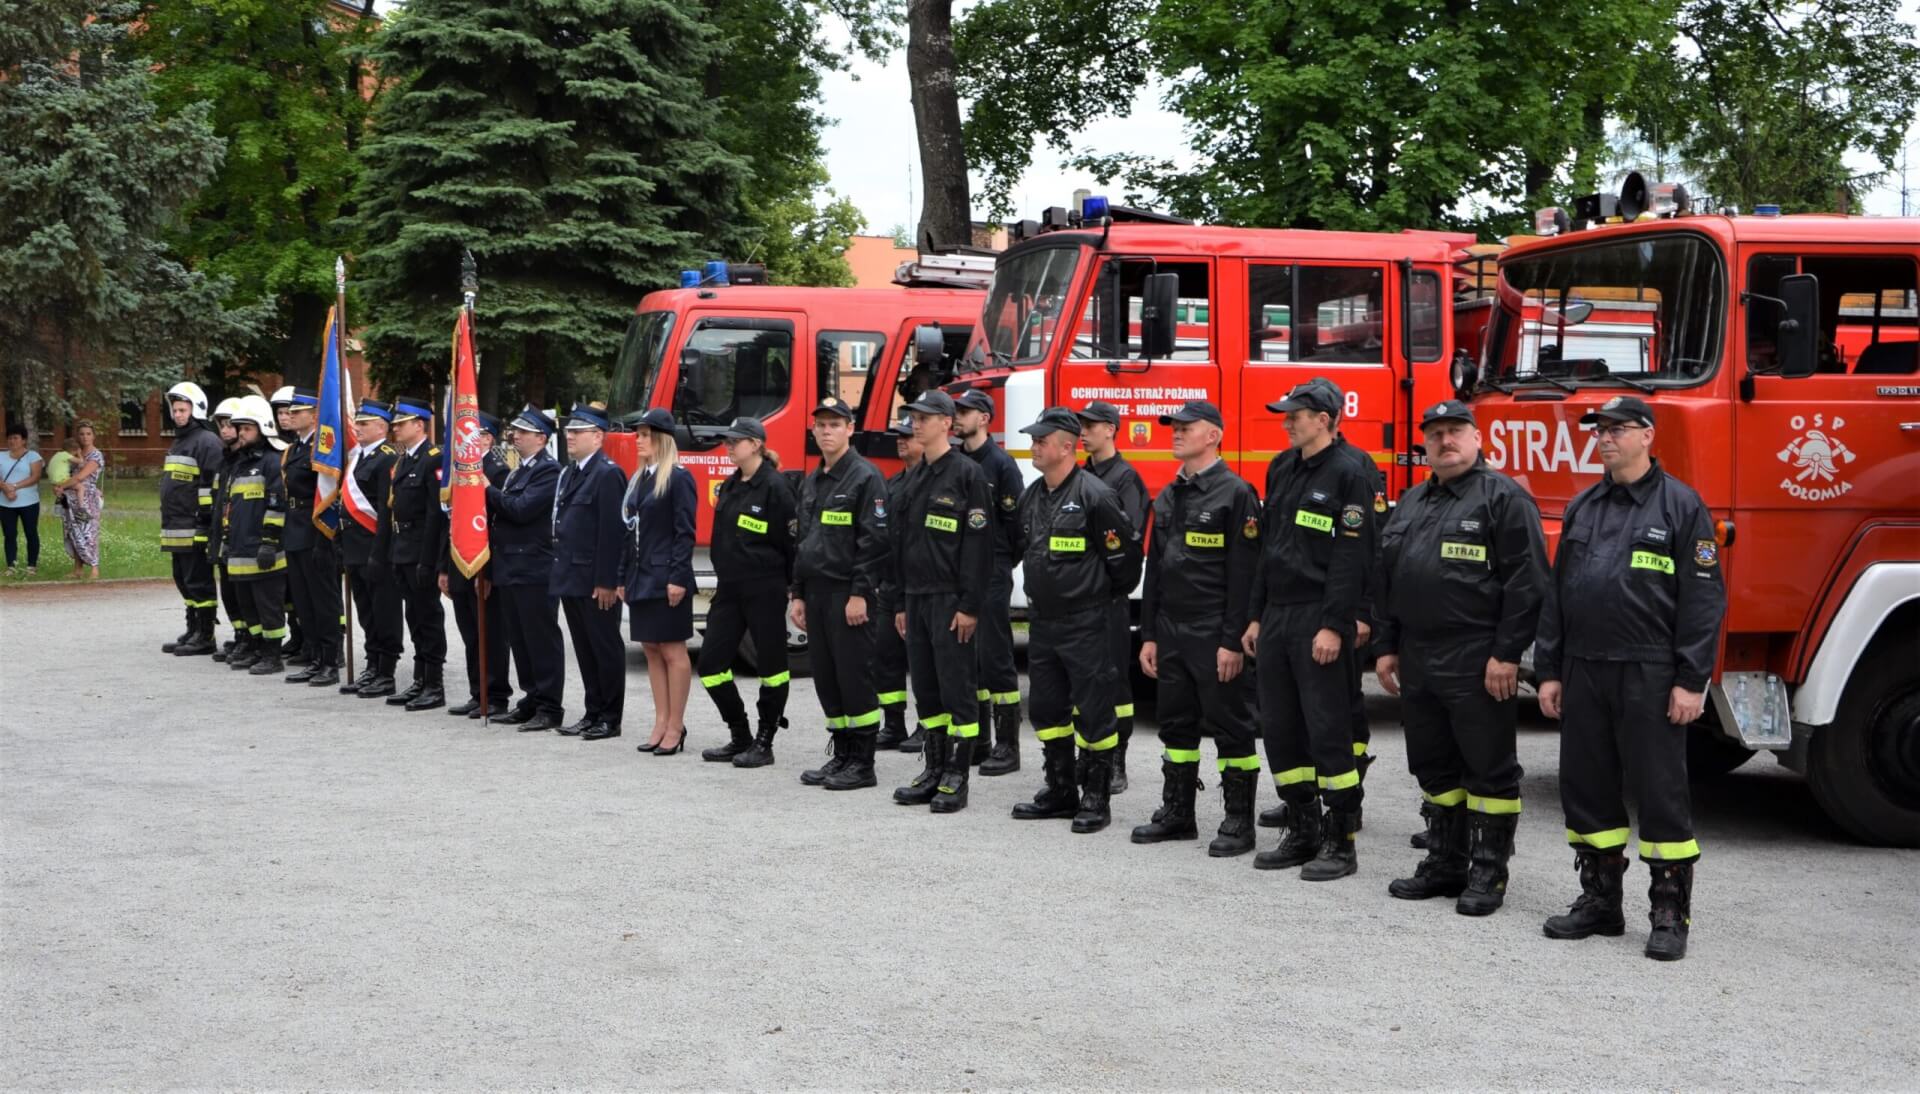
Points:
(387, 450)
(433, 450)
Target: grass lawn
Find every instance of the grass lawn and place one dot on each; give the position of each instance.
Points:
(129, 536)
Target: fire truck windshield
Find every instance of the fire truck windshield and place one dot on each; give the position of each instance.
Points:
(1644, 310)
(1026, 308)
(638, 367)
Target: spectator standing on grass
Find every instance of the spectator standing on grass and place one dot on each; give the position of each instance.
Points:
(81, 513)
(20, 472)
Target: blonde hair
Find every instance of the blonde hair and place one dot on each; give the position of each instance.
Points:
(769, 455)
(666, 456)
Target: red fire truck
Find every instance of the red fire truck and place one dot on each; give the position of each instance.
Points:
(1779, 353)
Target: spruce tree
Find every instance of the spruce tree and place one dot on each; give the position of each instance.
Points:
(568, 144)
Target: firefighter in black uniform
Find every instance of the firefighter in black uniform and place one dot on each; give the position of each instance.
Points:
(1626, 647)
(313, 560)
(889, 645)
(1099, 427)
(943, 556)
(459, 588)
(256, 515)
(1077, 547)
(753, 530)
(216, 539)
(414, 516)
(1203, 550)
(365, 533)
(1464, 568)
(186, 514)
(999, 681)
(838, 569)
(589, 535)
(520, 539)
(286, 438)
(1312, 570)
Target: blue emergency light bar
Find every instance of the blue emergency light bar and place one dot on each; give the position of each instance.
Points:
(716, 273)
(1093, 208)
(689, 279)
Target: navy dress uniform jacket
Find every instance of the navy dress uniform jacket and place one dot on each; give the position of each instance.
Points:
(520, 523)
(660, 548)
(587, 531)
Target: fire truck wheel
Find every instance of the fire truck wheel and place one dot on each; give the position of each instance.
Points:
(1711, 755)
(1865, 768)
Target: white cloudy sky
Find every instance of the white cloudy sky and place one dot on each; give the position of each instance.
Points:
(871, 151)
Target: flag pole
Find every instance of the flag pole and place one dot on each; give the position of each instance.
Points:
(470, 288)
(346, 422)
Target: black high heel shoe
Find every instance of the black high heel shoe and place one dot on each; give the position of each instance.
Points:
(678, 746)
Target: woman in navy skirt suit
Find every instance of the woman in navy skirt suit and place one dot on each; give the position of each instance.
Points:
(657, 576)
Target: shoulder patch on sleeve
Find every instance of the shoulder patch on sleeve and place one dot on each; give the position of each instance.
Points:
(1706, 552)
(1251, 529)
(1352, 516)
(976, 519)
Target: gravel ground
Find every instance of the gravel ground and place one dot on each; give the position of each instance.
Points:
(212, 880)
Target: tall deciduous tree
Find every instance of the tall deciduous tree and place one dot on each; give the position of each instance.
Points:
(1764, 99)
(571, 145)
(93, 306)
(946, 216)
(285, 93)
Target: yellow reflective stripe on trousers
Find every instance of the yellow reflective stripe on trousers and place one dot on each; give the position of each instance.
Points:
(279, 633)
(1110, 741)
(1053, 733)
(1293, 775)
(1183, 755)
(969, 729)
(1008, 698)
(937, 721)
(982, 695)
(1447, 800)
(1240, 763)
(838, 722)
(1359, 748)
(1123, 710)
(717, 679)
(1343, 781)
(1608, 840)
(1494, 806)
(1659, 852)
(203, 603)
(887, 698)
(862, 721)
(777, 680)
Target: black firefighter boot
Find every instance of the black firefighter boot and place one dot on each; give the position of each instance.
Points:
(1338, 856)
(431, 696)
(739, 739)
(200, 642)
(269, 662)
(1005, 757)
(304, 674)
(917, 740)
(950, 794)
(169, 647)
(1174, 819)
(1058, 799)
(1489, 846)
(1236, 828)
(1117, 783)
(326, 674)
(1096, 787)
(1443, 872)
(858, 774)
(1597, 909)
(893, 728)
(382, 684)
(839, 751)
(926, 784)
(413, 690)
(1299, 842)
(247, 649)
(760, 752)
(1671, 894)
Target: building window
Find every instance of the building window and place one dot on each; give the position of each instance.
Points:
(133, 419)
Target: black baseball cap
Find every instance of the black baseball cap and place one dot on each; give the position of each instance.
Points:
(1621, 408)
(837, 406)
(1195, 410)
(1100, 411)
(1447, 410)
(1054, 419)
(750, 429)
(934, 402)
(1318, 394)
(903, 425)
(659, 419)
(974, 399)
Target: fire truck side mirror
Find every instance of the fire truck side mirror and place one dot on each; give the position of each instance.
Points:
(1159, 300)
(1798, 347)
(929, 345)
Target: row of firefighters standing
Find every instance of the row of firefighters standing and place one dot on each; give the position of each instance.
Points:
(906, 583)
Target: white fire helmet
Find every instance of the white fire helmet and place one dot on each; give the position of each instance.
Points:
(189, 392)
(254, 409)
(283, 397)
(228, 407)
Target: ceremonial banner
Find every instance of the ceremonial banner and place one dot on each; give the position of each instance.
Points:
(466, 487)
(329, 437)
